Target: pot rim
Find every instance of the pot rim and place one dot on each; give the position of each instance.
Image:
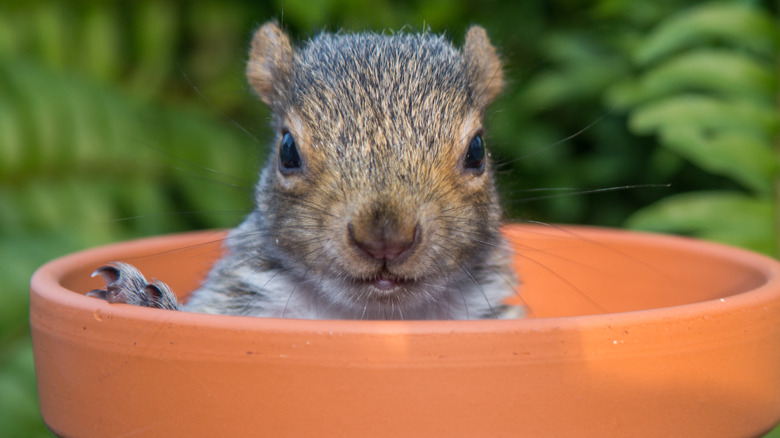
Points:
(46, 282)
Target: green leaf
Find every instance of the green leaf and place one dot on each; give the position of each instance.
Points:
(725, 72)
(738, 24)
(744, 158)
(722, 137)
(726, 217)
(11, 137)
(51, 33)
(100, 43)
(155, 46)
(705, 113)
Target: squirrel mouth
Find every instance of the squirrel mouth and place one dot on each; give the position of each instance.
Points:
(385, 282)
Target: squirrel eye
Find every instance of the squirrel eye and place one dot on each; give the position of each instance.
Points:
(288, 154)
(475, 155)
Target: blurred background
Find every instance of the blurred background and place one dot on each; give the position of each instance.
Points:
(122, 119)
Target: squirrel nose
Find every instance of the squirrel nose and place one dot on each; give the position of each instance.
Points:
(384, 241)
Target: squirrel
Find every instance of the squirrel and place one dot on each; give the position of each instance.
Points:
(378, 200)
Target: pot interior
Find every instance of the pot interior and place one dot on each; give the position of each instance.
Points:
(564, 271)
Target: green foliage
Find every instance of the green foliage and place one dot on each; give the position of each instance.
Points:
(124, 119)
(96, 147)
(734, 218)
(737, 24)
(707, 87)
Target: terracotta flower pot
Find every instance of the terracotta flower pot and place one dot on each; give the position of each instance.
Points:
(630, 335)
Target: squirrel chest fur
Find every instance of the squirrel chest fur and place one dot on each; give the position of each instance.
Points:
(377, 200)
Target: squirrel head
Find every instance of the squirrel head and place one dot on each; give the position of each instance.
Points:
(378, 184)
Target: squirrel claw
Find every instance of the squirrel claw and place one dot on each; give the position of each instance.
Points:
(126, 284)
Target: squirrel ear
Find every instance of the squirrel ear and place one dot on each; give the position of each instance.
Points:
(270, 61)
(484, 63)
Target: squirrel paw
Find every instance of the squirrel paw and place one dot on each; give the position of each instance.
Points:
(125, 284)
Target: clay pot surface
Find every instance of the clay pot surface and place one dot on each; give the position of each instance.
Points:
(628, 334)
